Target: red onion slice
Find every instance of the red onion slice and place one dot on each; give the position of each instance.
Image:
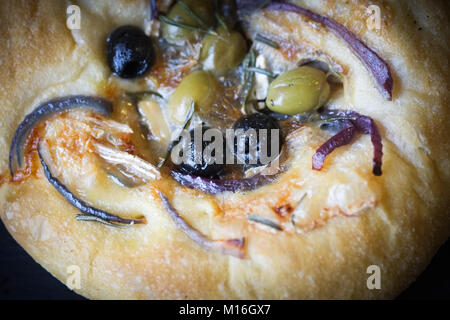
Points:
(232, 247)
(215, 186)
(371, 60)
(46, 110)
(368, 126)
(77, 202)
(363, 124)
(342, 138)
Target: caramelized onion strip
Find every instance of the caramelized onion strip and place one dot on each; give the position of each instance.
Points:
(232, 247)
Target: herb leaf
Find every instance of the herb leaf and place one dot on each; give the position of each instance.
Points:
(193, 14)
(189, 116)
(262, 71)
(185, 26)
(222, 22)
(295, 210)
(266, 41)
(264, 221)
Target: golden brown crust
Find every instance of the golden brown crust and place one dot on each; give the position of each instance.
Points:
(348, 220)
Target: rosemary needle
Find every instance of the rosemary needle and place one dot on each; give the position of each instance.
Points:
(185, 124)
(193, 14)
(295, 209)
(185, 26)
(264, 221)
(222, 22)
(266, 41)
(259, 70)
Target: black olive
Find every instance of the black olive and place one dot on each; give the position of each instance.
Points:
(257, 121)
(275, 115)
(130, 52)
(203, 167)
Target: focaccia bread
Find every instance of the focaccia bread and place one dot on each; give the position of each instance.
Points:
(306, 234)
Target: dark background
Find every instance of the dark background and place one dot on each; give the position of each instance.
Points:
(22, 278)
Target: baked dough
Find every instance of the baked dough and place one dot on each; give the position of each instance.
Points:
(348, 220)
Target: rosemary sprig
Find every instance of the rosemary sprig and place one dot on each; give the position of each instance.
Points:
(266, 41)
(186, 26)
(86, 217)
(189, 116)
(264, 221)
(261, 71)
(193, 14)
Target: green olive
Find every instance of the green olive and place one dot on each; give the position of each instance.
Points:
(204, 9)
(200, 87)
(224, 52)
(298, 90)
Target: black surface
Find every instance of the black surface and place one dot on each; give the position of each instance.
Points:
(22, 278)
